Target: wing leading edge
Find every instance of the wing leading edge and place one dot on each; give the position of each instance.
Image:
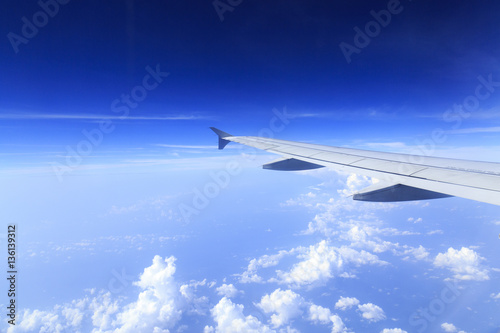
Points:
(402, 177)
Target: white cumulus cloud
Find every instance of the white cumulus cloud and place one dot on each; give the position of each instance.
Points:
(230, 318)
(320, 314)
(159, 305)
(464, 263)
(322, 262)
(324, 316)
(447, 327)
(371, 312)
(345, 303)
(284, 304)
(228, 290)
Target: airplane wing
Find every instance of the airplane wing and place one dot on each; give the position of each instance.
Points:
(402, 177)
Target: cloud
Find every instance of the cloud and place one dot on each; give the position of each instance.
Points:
(415, 220)
(265, 261)
(450, 328)
(230, 318)
(371, 312)
(474, 130)
(362, 230)
(338, 325)
(53, 116)
(187, 146)
(103, 311)
(419, 253)
(322, 262)
(306, 115)
(43, 321)
(285, 304)
(464, 263)
(395, 144)
(159, 305)
(194, 304)
(228, 290)
(319, 314)
(324, 316)
(356, 182)
(497, 296)
(345, 303)
(393, 330)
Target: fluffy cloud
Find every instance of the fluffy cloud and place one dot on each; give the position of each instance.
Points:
(419, 253)
(371, 312)
(324, 316)
(284, 304)
(319, 314)
(464, 263)
(230, 318)
(393, 330)
(450, 328)
(338, 325)
(322, 262)
(98, 312)
(356, 183)
(265, 261)
(447, 327)
(194, 304)
(104, 311)
(345, 303)
(42, 321)
(228, 290)
(159, 306)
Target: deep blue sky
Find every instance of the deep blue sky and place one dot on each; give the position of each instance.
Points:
(233, 72)
(118, 206)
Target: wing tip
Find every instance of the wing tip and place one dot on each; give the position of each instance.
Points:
(221, 134)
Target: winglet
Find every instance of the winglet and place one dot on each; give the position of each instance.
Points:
(222, 135)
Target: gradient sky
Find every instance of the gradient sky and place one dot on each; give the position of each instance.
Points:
(104, 116)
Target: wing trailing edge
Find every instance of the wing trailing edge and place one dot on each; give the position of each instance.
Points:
(407, 177)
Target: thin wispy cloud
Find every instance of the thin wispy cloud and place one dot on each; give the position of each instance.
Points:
(187, 146)
(52, 116)
(475, 130)
(306, 115)
(209, 147)
(386, 144)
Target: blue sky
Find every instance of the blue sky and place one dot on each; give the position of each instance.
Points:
(106, 160)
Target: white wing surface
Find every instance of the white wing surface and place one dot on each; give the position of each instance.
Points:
(402, 177)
